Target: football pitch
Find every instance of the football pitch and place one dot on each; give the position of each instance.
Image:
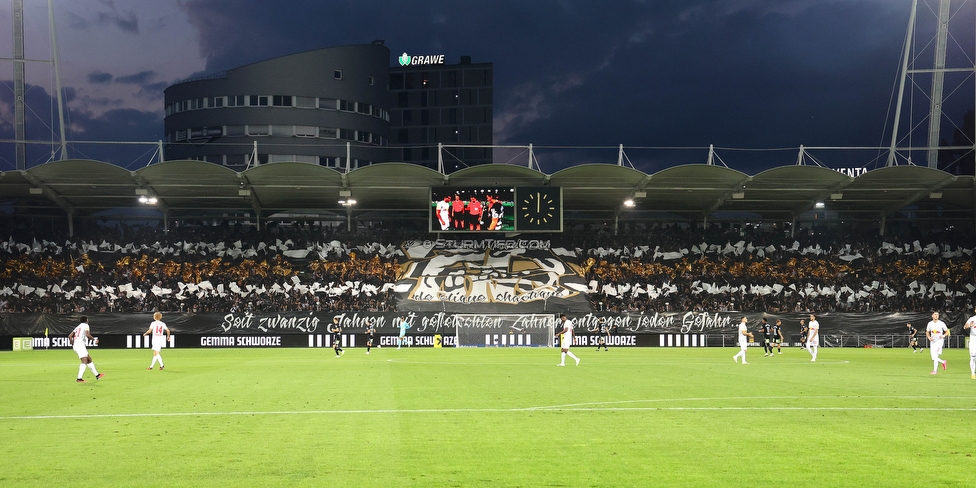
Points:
(488, 417)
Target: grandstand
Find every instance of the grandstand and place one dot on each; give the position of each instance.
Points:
(264, 252)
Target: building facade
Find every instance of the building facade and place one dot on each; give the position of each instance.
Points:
(341, 107)
(450, 104)
(327, 106)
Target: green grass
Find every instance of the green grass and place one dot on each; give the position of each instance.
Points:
(487, 417)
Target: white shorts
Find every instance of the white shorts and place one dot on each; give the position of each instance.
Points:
(935, 347)
(565, 342)
(81, 350)
(157, 343)
(743, 345)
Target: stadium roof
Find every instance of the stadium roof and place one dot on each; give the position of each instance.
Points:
(195, 188)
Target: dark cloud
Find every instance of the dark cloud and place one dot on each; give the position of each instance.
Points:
(690, 73)
(113, 125)
(127, 21)
(141, 78)
(99, 78)
(77, 22)
(153, 91)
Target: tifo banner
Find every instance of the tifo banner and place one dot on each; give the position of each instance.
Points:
(490, 276)
(445, 323)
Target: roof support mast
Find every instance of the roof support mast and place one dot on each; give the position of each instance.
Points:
(20, 102)
(56, 61)
(906, 53)
(19, 110)
(938, 80)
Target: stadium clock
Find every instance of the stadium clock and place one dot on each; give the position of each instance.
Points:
(538, 209)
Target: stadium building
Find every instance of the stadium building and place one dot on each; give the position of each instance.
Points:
(435, 103)
(327, 106)
(333, 107)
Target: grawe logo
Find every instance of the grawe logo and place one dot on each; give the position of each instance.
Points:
(408, 60)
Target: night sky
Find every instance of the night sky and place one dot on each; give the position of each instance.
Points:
(742, 74)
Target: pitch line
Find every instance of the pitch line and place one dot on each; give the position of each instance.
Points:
(568, 406)
(480, 410)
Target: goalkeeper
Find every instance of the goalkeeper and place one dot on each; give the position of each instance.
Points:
(404, 325)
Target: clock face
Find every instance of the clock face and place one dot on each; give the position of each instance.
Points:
(538, 209)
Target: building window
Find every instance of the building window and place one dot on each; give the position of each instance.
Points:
(347, 106)
(347, 134)
(328, 103)
(305, 102)
(396, 81)
(306, 131)
(328, 133)
(363, 108)
(371, 81)
(235, 160)
(217, 102)
(235, 130)
(337, 74)
(283, 130)
(281, 101)
(363, 136)
(258, 130)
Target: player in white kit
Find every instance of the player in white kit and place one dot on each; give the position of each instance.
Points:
(79, 342)
(443, 211)
(744, 337)
(936, 332)
(971, 325)
(813, 337)
(157, 328)
(566, 340)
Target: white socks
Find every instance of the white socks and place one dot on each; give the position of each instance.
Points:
(81, 370)
(91, 366)
(157, 357)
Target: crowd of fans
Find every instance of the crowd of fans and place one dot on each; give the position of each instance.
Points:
(757, 269)
(302, 267)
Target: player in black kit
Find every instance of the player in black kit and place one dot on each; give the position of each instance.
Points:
(913, 338)
(803, 334)
(370, 332)
(778, 337)
(603, 331)
(767, 331)
(336, 331)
